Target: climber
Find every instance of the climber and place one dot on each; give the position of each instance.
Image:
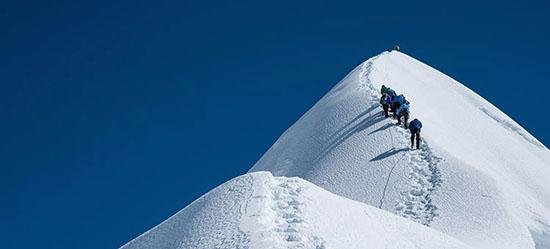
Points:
(385, 101)
(403, 112)
(391, 92)
(396, 103)
(387, 90)
(384, 89)
(415, 127)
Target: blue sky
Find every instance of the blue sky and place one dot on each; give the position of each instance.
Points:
(117, 114)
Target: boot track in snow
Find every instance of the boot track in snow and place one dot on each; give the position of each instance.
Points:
(280, 207)
(425, 177)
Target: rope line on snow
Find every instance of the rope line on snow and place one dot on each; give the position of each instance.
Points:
(424, 210)
(391, 172)
(362, 79)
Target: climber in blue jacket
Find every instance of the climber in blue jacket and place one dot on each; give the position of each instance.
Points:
(415, 126)
(396, 103)
(403, 112)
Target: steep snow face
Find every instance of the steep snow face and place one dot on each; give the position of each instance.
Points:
(258, 210)
(479, 176)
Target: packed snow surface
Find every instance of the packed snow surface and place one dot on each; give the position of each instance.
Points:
(344, 176)
(479, 176)
(258, 210)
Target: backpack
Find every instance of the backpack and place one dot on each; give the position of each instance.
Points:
(404, 108)
(398, 99)
(415, 124)
(391, 92)
(402, 99)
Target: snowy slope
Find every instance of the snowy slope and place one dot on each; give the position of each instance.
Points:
(479, 180)
(479, 177)
(258, 210)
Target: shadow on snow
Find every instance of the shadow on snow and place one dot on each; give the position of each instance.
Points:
(348, 130)
(388, 153)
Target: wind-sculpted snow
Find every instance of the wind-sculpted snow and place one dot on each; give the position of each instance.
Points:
(260, 211)
(514, 127)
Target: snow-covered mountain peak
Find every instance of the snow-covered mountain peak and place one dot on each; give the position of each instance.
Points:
(479, 179)
(477, 167)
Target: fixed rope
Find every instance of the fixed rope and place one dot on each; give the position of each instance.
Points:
(391, 172)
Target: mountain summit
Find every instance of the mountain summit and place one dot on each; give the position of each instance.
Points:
(343, 176)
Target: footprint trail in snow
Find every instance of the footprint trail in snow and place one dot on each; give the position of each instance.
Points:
(278, 210)
(424, 180)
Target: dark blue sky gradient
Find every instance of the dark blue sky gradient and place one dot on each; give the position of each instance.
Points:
(117, 114)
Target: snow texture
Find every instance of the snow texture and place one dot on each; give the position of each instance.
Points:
(479, 179)
(258, 210)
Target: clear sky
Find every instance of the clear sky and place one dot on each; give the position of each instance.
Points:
(117, 114)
